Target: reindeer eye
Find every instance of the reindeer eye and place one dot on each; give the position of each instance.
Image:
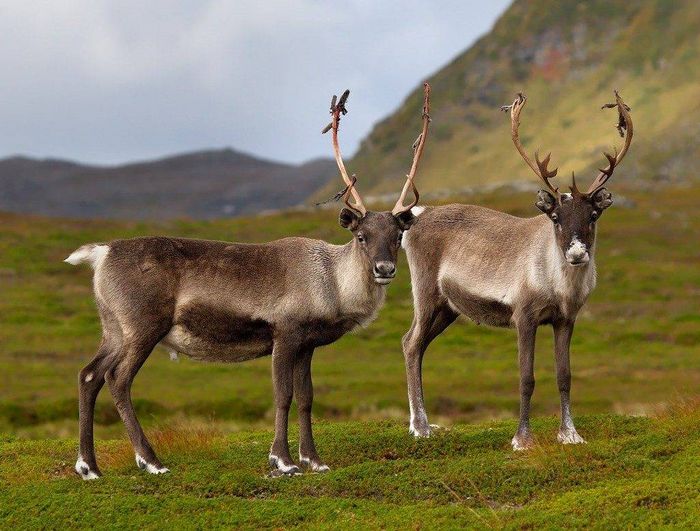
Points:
(361, 238)
(554, 218)
(594, 215)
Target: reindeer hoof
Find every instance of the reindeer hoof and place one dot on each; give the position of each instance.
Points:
(278, 473)
(313, 465)
(279, 468)
(522, 441)
(150, 468)
(420, 434)
(570, 436)
(84, 470)
(421, 430)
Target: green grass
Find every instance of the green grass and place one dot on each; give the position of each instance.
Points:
(634, 472)
(635, 352)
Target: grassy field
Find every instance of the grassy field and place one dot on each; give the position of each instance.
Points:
(635, 352)
(634, 472)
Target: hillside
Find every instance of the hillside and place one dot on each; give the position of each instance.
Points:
(649, 49)
(634, 472)
(206, 184)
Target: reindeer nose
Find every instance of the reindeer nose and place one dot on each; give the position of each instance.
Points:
(577, 253)
(384, 269)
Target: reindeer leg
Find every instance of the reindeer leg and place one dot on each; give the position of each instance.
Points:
(119, 380)
(304, 394)
(527, 331)
(562, 340)
(90, 382)
(283, 357)
(424, 329)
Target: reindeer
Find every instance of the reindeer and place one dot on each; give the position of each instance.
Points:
(232, 302)
(507, 271)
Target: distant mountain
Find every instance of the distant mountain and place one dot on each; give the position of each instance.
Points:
(204, 184)
(567, 56)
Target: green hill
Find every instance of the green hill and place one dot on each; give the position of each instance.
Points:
(567, 56)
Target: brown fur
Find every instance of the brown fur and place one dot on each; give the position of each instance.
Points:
(220, 301)
(504, 271)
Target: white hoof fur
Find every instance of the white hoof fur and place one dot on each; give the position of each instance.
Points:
(520, 445)
(421, 433)
(148, 467)
(570, 436)
(277, 464)
(314, 467)
(83, 470)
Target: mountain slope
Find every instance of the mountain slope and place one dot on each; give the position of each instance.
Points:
(203, 184)
(567, 56)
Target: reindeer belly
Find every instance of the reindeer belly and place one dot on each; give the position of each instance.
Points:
(326, 331)
(212, 334)
(481, 310)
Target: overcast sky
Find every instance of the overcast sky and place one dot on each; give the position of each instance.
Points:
(112, 81)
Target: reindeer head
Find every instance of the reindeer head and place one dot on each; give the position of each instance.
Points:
(574, 215)
(377, 234)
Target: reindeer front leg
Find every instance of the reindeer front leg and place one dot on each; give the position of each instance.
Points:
(304, 395)
(562, 341)
(283, 356)
(527, 331)
(428, 323)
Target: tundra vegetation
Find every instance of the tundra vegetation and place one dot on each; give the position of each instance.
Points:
(636, 370)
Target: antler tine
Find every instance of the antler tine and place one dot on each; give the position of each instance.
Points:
(349, 189)
(418, 147)
(338, 108)
(545, 173)
(540, 168)
(626, 129)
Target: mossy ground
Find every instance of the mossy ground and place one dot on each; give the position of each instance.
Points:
(634, 471)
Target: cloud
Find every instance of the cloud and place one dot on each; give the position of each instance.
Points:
(108, 81)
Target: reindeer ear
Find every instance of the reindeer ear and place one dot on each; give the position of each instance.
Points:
(602, 199)
(405, 219)
(546, 202)
(348, 219)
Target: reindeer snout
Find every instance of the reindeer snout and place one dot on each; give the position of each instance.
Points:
(384, 271)
(577, 253)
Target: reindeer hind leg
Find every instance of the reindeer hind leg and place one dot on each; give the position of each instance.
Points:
(90, 381)
(119, 380)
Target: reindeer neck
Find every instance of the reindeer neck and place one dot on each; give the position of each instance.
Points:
(357, 290)
(572, 284)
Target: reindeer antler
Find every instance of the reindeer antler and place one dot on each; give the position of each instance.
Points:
(626, 129)
(540, 168)
(338, 108)
(418, 146)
